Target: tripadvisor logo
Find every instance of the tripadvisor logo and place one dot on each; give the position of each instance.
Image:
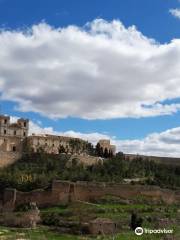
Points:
(139, 231)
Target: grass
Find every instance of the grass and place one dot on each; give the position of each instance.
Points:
(44, 233)
(85, 212)
(41, 233)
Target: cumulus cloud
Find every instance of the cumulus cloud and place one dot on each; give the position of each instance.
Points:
(175, 12)
(35, 128)
(164, 144)
(100, 71)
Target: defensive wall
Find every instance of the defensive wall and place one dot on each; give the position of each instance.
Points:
(8, 158)
(65, 192)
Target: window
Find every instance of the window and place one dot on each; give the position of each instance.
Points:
(14, 133)
(24, 124)
(24, 134)
(14, 148)
(5, 121)
(5, 131)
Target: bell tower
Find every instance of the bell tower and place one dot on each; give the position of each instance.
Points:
(4, 125)
(24, 125)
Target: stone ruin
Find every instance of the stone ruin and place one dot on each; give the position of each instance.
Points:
(27, 219)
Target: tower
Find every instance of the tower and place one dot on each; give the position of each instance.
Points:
(4, 125)
(24, 126)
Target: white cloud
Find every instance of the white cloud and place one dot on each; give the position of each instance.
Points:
(175, 12)
(91, 137)
(103, 70)
(165, 144)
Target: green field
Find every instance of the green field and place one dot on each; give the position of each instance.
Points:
(81, 212)
(44, 233)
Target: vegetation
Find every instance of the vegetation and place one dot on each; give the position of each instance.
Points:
(54, 217)
(99, 151)
(38, 170)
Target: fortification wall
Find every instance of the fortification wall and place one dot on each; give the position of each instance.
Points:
(64, 192)
(42, 197)
(8, 158)
(89, 191)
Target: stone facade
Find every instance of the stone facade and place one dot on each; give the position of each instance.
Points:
(12, 136)
(18, 129)
(105, 144)
(52, 144)
(14, 140)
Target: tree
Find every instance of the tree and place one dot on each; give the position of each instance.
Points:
(135, 221)
(106, 153)
(98, 149)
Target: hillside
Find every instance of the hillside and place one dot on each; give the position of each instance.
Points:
(162, 160)
(34, 171)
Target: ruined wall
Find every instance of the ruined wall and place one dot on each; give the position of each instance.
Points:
(90, 191)
(64, 192)
(10, 150)
(11, 144)
(52, 144)
(85, 159)
(93, 191)
(8, 158)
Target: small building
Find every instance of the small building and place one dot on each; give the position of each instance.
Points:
(102, 226)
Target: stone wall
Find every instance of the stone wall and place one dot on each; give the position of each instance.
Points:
(11, 144)
(18, 129)
(106, 144)
(52, 144)
(85, 159)
(8, 158)
(65, 192)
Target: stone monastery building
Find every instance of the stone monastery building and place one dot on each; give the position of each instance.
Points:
(14, 140)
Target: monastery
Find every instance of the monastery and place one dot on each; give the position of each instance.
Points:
(15, 140)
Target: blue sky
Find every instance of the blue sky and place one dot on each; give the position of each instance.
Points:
(152, 19)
